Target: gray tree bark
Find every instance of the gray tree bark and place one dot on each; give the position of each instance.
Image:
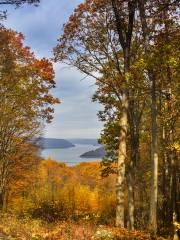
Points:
(131, 198)
(154, 136)
(125, 42)
(154, 161)
(121, 164)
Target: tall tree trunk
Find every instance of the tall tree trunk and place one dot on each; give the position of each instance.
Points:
(125, 43)
(131, 197)
(154, 160)
(175, 196)
(165, 179)
(154, 135)
(121, 164)
(134, 118)
(131, 173)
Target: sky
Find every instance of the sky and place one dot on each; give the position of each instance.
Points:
(76, 116)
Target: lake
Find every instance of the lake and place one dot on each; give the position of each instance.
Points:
(70, 156)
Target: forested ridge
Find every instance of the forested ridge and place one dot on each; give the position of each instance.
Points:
(131, 50)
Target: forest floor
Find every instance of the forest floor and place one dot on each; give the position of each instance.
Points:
(12, 228)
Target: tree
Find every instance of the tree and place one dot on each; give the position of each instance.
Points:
(22, 173)
(151, 21)
(101, 56)
(25, 83)
(125, 30)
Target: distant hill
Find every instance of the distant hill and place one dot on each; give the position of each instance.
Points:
(86, 141)
(50, 143)
(97, 153)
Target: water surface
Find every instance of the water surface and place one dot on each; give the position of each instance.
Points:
(71, 156)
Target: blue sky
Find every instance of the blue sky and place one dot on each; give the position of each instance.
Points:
(76, 116)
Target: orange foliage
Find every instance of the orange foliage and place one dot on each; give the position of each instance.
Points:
(56, 191)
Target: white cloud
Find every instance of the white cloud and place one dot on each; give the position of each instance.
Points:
(76, 115)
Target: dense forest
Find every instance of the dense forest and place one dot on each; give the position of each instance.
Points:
(131, 50)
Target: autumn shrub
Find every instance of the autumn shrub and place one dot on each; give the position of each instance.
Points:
(107, 209)
(14, 228)
(49, 211)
